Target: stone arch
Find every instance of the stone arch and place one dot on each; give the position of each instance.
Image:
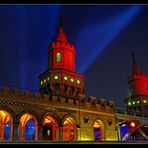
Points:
(99, 129)
(69, 127)
(34, 113)
(10, 111)
(50, 113)
(69, 115)
(25, 117)
(6, 125)
(50, 126)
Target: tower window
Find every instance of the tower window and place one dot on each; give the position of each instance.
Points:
(65, 78)
(72, 80)
(78, 81)
(47, 78)
(44, 80)
(56, 77)
(58, 57)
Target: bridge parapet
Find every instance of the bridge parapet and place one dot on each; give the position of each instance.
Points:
(26, 96)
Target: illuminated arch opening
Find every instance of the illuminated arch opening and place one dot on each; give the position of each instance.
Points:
(98, 130)
(50, 128)
(6, 123)
(28, 127)
(124, 128)
(30, 130)
(58, 57)
(69, 129)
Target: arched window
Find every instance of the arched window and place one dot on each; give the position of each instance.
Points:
(58, 57)
(98, 130)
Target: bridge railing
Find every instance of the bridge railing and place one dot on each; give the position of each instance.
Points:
(131, 112)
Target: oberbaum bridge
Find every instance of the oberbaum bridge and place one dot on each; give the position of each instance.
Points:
(59, 111)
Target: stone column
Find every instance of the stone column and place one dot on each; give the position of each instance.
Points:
(40, 132)
(36, 132)
(78, 137)
(15, 131)
(60, 133)
(2, 127)
(21, 136)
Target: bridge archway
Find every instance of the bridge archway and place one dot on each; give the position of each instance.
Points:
(6, 125)
(98, 130)
(28, 127)
(69, 129)
(50, 128)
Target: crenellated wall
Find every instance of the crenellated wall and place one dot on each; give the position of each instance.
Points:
(26, 96)
(18, 102)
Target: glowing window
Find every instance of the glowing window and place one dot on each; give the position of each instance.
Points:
(7, 131)
(133, 102)
(65, 78)
(72, 80)
(78, 81)
(47, 78)
(56, 77)
(41, 82)
(58, 57)
(144, 101)
(138, 102)
(30, 130)
(44, 80)
(129, 103)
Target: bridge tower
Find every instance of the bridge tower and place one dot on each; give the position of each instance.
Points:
(61, 78)
(137, 102)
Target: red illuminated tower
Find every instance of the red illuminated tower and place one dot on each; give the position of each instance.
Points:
(61, 78)
(137, 102)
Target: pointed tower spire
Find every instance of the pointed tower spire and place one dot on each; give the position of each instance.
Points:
(136, 69)
(61, 21)
(61, 34)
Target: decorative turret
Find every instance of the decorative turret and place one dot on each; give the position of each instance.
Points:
(61, 77)
(137, 102)
(137, 81)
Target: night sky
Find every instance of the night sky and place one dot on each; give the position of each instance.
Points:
(104, 37)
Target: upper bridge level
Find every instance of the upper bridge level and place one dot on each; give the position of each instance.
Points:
(131, 126)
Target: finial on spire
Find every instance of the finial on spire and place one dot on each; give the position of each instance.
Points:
(61, 21)
(61, 34)
(133, 57)
(136, 69)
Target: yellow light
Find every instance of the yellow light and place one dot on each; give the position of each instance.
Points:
(72, 80)
(47, 121)
(56, 77)
(144, 101)
(132, 124)
(65, 78)
(96, 124)
(129, 103)
(78, 81)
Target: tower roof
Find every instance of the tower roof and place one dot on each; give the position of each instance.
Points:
(61, 34)
(136, 69)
